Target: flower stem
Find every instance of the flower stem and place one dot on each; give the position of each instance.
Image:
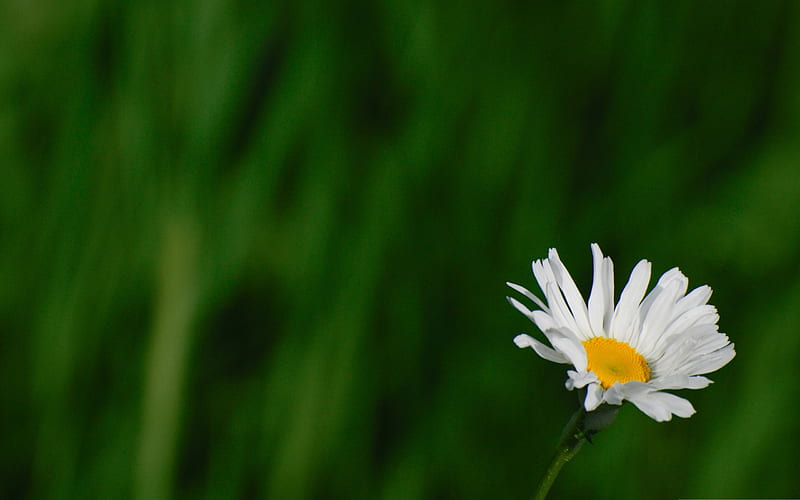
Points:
(572, 438)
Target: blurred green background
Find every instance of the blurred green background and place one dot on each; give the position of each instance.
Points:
(258, 250)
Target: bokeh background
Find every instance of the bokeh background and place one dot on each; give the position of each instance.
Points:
(258, 249)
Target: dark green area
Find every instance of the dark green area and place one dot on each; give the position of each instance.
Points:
(258, 250)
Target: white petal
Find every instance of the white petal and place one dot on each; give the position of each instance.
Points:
(608, 269)
(544, 321)
(519, 306)
(574, 298)
(559, 310)
(594, 396)
(680, 381)
(705, 314)
(656, 319)
(672, 277)
(601, 298)
(542, 276)
(660, 406)
(696, 297)
(688, 311)
(682, 352)
(626, 314)
(522, 340)
(684, 321)
(541, 318)
(579, 379)
(524, 291)
(712, 362)
(565, 341)
(618, 392)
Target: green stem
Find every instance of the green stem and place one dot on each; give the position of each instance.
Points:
(570, 444)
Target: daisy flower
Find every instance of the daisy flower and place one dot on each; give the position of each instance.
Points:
(634, 351)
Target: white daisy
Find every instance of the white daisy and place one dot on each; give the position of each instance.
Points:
(633, 351)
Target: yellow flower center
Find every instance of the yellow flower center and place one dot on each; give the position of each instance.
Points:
(614, 361)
